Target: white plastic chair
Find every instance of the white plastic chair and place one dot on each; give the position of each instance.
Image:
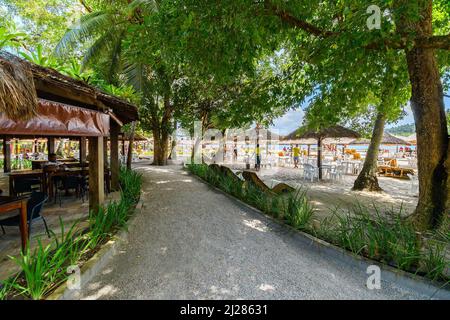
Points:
(414, 184)
(310, 172)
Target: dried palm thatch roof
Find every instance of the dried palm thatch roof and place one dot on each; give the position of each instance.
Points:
(50, 84)
(18, 98)
(388, 139)
(330, 132)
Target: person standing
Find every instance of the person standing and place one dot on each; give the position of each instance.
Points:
(296, 154)
(258, 158)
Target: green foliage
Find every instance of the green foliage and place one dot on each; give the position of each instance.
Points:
(41, 269)
(434, 260)
(131, 184)
(299, 211)
(385, 237)
(44, 21)
(10, 39)
(403, 130)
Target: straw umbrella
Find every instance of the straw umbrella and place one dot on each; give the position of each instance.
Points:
(17, 91)
(387, 140)
(320, 135)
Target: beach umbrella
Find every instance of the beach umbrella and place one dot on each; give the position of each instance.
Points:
(387, 140)
(321, 134)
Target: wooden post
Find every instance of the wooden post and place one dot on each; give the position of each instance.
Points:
(114, 154)
(319, 157)
(6, 155)
(51, 145)
(123, 147)
(105, 152)
(96, 173)
(83, 150)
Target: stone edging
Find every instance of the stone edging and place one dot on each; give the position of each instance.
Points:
(390, 274)
(95, 264)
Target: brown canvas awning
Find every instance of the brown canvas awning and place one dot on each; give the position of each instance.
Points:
(58, 119)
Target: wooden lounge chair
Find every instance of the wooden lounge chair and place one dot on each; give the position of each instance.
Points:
(229, 173)
(393, 170)
(253, 178)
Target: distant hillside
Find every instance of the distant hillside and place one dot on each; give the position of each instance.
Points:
(403, 130)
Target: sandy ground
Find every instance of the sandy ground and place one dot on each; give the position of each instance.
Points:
(327, 195)
(193, 242)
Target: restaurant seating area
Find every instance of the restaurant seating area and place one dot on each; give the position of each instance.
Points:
(43, 184)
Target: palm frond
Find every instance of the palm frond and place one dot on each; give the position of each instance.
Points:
(148, 5)
(115, 57)
(88, 27)
(137, 75)
(97, 49)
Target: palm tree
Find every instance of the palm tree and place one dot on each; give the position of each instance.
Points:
(106, 30)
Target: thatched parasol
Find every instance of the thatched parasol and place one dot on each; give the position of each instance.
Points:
(387, 140)
(18, 98)
(320, 135)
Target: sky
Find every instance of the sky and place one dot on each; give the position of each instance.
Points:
(293, 119)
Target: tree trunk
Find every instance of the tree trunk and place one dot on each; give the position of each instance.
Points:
(161, 133)
(130, 146)
(161, 147)
(367, 178)
(427, 103)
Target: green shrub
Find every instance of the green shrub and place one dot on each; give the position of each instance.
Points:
(298, 211)
(434, 261)
(41, 269)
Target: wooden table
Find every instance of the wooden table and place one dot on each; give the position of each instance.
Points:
(8, 204)
(26, 174)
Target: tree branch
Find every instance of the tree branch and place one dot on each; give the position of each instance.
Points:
(84, 4)
(432, 42)
(298, 23)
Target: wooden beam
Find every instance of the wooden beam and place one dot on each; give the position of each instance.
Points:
(96, 173)
(83, 151)
(51, 145)
(114, 154)
(6, 155)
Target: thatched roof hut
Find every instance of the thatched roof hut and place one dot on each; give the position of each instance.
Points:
(18, 98)
(330, 132)
(334, 132)
(34, 81)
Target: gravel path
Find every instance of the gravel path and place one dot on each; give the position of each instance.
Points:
(192, 242)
